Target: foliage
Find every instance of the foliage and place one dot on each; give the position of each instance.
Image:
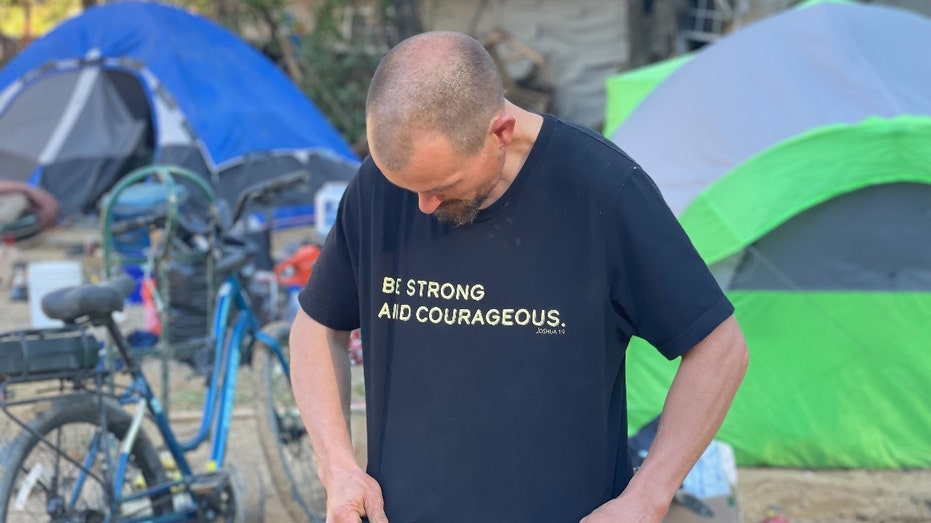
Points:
(337, 72)
(35, 17)
(204, 7)
(331, 67)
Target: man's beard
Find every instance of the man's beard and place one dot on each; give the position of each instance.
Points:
(460, 212)
(464, 212)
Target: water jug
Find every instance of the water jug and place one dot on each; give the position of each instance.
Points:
(326, 203)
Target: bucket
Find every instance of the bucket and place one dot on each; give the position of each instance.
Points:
(44, 277)
(137, 200)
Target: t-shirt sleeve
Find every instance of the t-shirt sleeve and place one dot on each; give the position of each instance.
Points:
(331, 295)
(661, 285)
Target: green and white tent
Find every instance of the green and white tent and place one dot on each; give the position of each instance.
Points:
(796, 153)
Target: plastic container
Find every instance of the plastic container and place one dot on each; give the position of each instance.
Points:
(136, 272)
(139, 200)
(44, 277)
(326, 204)
(292, 305)
(295, 270)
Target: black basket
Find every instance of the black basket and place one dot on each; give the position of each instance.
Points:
(34, 355)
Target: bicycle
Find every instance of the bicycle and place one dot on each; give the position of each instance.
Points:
(87, 458)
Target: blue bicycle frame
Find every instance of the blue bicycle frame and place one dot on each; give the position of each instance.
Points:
(218, 405)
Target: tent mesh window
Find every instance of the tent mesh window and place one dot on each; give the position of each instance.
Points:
(872, 239)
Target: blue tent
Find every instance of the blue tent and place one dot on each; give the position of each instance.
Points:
(127, 84)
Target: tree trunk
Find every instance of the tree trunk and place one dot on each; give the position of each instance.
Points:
(27, 24)
(406, 18)
(228, 14)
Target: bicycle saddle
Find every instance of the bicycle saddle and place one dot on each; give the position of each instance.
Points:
(96, 301)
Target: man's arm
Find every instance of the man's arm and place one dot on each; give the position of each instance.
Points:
(698, 400)
(320, 380)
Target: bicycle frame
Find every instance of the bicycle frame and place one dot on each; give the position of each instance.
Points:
(229, 341)
(230, 338)
(228, 347)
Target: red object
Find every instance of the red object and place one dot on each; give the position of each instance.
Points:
(355, 347)
(295, 270)
(150, 318)
(774, 515)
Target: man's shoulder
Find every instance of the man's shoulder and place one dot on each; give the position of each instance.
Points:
(585, 157)
(370, 180)
(368, 171)
(371, 194)
(587, 139)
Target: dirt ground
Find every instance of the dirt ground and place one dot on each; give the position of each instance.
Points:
(822, 496)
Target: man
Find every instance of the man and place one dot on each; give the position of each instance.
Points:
(498, 262)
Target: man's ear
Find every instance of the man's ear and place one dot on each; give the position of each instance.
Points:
(502, 126)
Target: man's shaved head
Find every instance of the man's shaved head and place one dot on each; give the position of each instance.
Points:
(437, 81)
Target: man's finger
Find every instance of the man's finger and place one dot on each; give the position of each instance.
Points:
(375, 511)
(344, 515)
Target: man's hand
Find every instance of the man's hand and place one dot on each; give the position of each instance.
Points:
(695, 406)
(626, 509)
(353, 494)
(320, 380)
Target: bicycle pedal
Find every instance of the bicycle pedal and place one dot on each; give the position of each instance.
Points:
(203, 484)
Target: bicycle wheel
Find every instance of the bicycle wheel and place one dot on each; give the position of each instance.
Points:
(291, 461)
(38, 483)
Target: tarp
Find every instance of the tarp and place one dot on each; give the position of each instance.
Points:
(128, 83)
(795, 154)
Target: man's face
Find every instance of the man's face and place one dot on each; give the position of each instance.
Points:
(462, 211)
(451, 186)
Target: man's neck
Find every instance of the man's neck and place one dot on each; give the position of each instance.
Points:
(526, 129)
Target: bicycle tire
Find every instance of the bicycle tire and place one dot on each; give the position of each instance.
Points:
(75, 417)
(285, 443)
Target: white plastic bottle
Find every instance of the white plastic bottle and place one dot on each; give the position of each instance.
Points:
(326, 203)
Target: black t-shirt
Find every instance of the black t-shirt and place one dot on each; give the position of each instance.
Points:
(494, 352)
